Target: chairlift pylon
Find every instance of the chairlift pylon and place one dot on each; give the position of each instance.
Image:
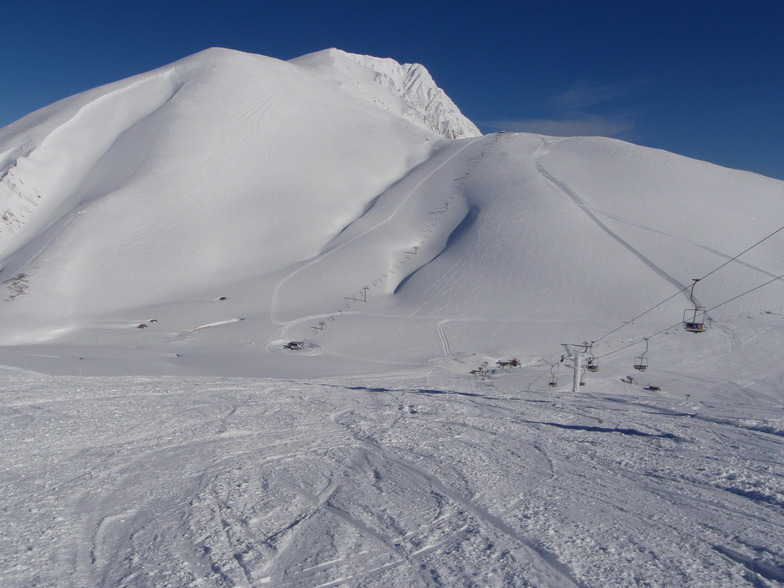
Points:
(695, 320)
(640, 363)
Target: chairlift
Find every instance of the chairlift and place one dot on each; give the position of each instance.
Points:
(592, 365)
(640, 363)
(553, 378)
(695, 320)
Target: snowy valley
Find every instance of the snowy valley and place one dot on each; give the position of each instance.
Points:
(253, 313)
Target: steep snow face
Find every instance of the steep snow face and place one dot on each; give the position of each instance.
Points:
(244, 151)
(216, 106)
(404, 89)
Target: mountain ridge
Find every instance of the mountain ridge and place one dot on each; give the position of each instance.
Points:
(419, 99)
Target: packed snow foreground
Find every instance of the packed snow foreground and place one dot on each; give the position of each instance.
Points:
(254, 317)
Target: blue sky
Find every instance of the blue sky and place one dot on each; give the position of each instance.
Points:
(699, 78)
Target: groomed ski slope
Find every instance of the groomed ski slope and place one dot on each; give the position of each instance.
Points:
(393, 480)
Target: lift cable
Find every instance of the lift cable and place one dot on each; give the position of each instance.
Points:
(746, 292)
(690, 285)
(637, 340)
(642, 314)
(553, 366)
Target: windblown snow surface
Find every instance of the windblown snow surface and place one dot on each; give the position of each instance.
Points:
(164, 238)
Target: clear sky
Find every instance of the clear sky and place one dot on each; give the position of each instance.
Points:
(702, 78)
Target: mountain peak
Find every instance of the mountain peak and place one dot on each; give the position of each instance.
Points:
(407, 89)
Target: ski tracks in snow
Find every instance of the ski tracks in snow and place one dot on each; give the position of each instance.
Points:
(380, 482)
(444, 340)
(541, 567)
(281, 283)
(545, 570)
(400, 265)
(733, 341)
(568, 191)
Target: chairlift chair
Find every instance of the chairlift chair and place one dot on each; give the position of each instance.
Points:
(695, 320)
(641, 363)
(593, 364)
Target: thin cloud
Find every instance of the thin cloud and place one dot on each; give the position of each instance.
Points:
(573, 116)
(586, 94)
(585, 125)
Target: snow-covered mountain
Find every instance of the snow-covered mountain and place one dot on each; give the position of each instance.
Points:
(232, 203)
(406, 90)
(199, 219)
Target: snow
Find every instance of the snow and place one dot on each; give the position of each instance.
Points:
(384, 481)
(234, 203)
(407, 89)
